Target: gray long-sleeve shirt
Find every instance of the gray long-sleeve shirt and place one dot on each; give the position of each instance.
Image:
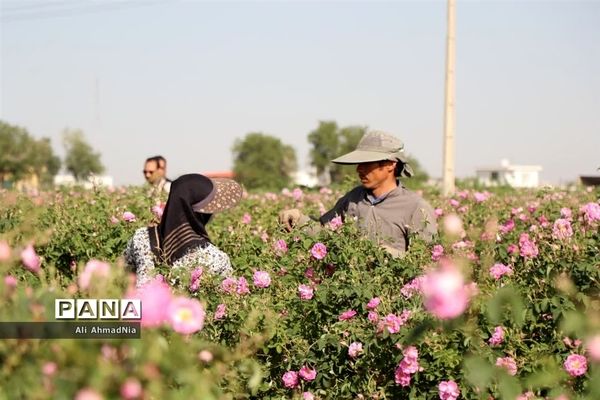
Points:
(388, 220)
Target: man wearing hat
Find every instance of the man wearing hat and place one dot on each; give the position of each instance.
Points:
(384, 209)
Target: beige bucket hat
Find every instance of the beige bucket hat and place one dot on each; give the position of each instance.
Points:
(377, 146)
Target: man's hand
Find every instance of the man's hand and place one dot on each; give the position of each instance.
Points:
(290, 218)
(395, 253)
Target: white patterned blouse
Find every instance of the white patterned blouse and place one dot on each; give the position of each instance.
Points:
(139, 256)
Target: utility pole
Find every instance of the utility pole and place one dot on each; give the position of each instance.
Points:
(448, 172)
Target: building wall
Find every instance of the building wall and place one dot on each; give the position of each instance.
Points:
(516, 178)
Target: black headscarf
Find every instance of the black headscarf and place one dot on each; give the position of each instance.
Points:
(181, 228)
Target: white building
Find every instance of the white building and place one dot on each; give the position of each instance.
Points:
(517, 176)
(91, 182)
(305, 178)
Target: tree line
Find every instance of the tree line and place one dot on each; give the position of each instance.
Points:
(262, 161)
(24, 156)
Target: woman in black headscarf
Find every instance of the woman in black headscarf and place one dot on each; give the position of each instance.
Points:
(180, 240)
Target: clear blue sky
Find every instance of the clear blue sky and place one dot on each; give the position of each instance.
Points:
(186, 78)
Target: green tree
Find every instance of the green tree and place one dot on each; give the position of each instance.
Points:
(325, 143)
(349, 138)
(328, 142)
(80, 159)
(44, 162)
(263, 161)
(14, 142)
(22, 155)
(420, 176)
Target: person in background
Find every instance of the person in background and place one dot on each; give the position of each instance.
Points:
(385, 210)
(155, 172)
(180, 239)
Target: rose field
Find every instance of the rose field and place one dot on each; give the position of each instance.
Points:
(503, 304)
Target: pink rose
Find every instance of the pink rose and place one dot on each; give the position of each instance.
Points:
(566, 213)
(393, 323)
(437, 252)
(562, 229)
(88, 394)
(195, 277)
(575, 365)
(445, 294)
(413, 287)
(220, 312)
(526, 396)
(308, 396)
(481, 197)
(355, 349)
(408, 366)
(290, 379)
(10, 281)
(497, 271)
(497, 337)
(242, 286)
(280, 246)
(373, 303)
(507, 226)
(512, 249)
(305, 292)
(229, 285)
(154, 295)
(264, 237)
(128, 216)
(508, 363)
(158, 210)
(205, 356)
(335, 223)
(453, 225)
(246, 219)
(373, 316)
(318, 251)
(448, 390)
(30, 259)
(348, 314)
(185, 315)
(261, 279)
(4, 251)
(297, 194)
(93, 269)
(591, 212)
(307, 373)
(49, 368)
(592, 346)
(131, 389)
(527, 247)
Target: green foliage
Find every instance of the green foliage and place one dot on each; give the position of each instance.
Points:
(420, 176)
(328, 141)
(86, 225)
(80, 159)
(23, 155)
(325, 143)
(263, 162)
(271, 330)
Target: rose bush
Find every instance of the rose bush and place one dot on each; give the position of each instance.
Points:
(483, 312)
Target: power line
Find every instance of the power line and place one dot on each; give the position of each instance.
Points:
(59, 12)
(34, 6)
